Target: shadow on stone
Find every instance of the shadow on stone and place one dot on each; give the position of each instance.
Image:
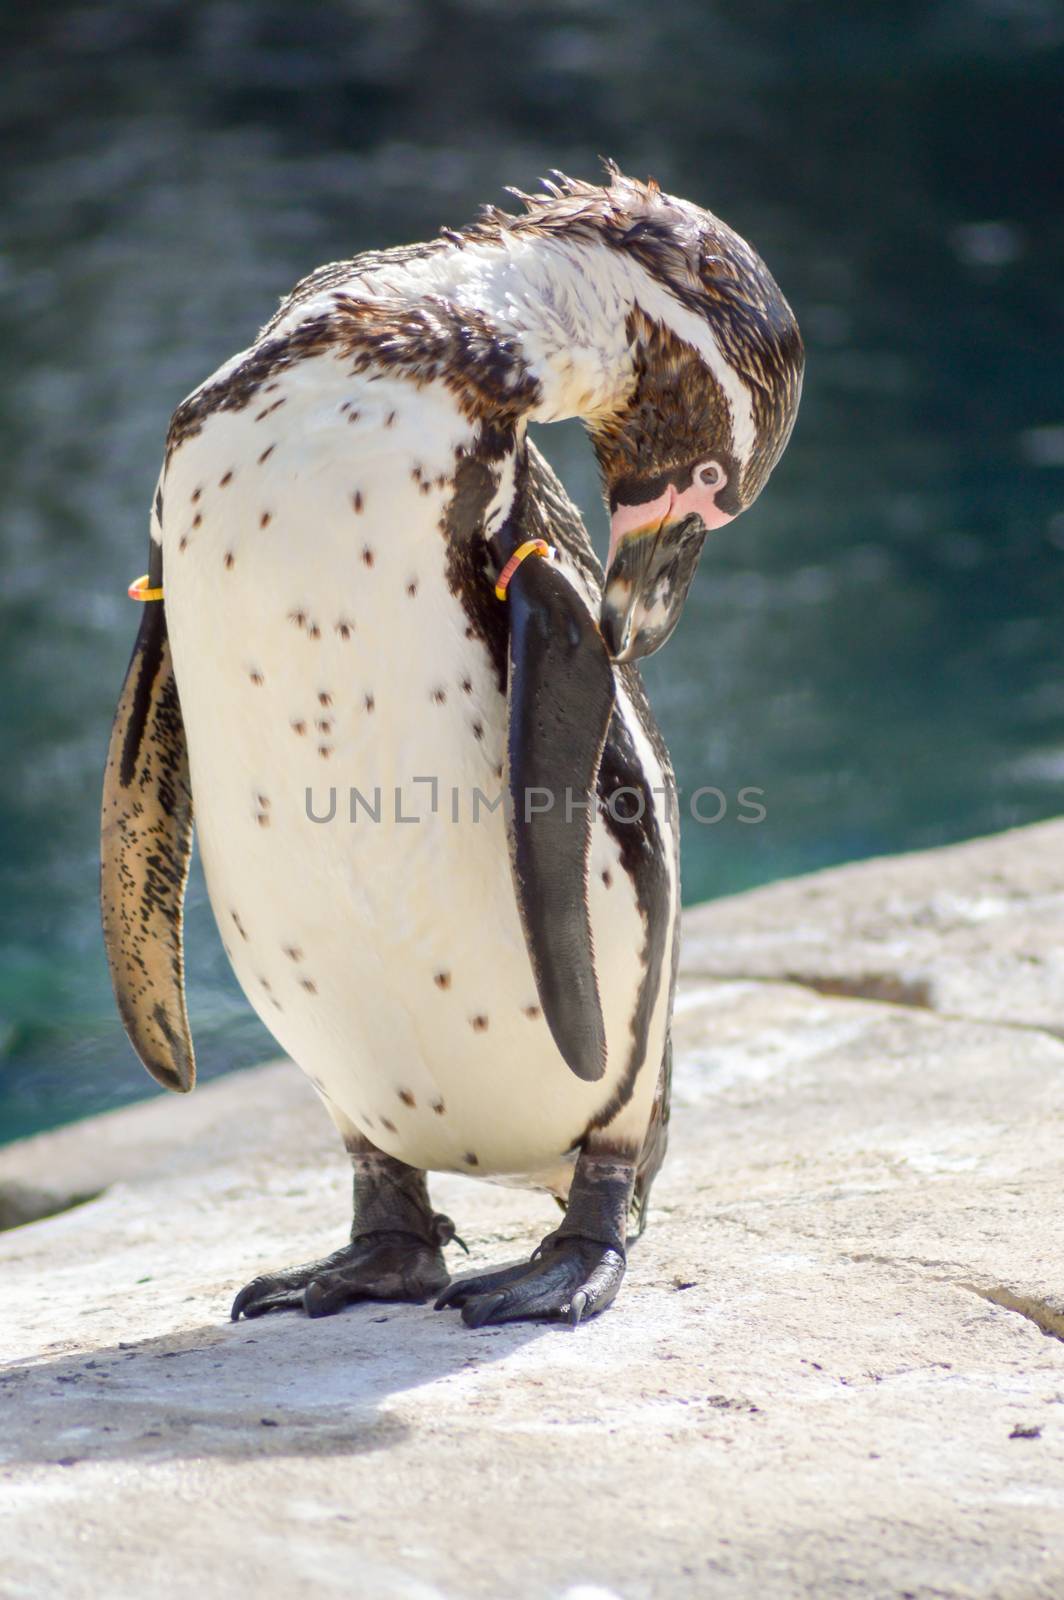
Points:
(279, 1386)
(19, 1204)
(1047, 1318)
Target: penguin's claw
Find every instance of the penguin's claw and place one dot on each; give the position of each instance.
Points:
(567, 1280)
(377, 1266)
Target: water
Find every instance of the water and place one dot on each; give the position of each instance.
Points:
(875, 646)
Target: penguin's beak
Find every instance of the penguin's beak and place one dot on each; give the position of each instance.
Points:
(654, 549)
(649, 573)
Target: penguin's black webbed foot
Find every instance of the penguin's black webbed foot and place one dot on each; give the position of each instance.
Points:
(568, 1279)
(376, 1266)
(576, 1271)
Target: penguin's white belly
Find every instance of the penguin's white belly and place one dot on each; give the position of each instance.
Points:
(318, 650)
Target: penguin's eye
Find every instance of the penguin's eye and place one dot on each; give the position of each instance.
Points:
(709, 475)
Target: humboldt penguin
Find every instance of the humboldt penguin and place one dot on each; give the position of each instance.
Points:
(380, 665)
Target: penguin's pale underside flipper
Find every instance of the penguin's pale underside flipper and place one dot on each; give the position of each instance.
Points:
(145, 848)
(561, 695)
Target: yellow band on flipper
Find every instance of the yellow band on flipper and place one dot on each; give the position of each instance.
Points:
(138, 590)
(531, 547)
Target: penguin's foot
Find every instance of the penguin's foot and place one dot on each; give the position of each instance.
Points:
(567, 1280)
(576, 1271)
(376, 1266)
(396, 1249)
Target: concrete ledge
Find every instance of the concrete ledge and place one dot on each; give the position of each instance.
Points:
(836, 1368)
(974, 930)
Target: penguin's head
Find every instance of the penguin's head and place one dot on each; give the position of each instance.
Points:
(717, 374)
(713, 362)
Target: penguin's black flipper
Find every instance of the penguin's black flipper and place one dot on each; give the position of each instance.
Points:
(145, 848)
(560, 699)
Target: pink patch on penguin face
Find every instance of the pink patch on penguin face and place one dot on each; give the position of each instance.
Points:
(698, 499)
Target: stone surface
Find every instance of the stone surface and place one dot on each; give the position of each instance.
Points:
(975, 930)
(826, 1376)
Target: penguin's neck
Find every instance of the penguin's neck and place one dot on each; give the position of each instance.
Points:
(561, 305)
(565, 309)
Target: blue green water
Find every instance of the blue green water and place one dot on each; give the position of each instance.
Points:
(876, 645)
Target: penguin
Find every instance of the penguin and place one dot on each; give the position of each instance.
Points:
(381, 667)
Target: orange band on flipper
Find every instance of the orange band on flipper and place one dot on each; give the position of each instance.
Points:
(138, 590)
(531, 547)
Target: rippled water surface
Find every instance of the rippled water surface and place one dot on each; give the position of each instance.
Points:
(876, 646)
